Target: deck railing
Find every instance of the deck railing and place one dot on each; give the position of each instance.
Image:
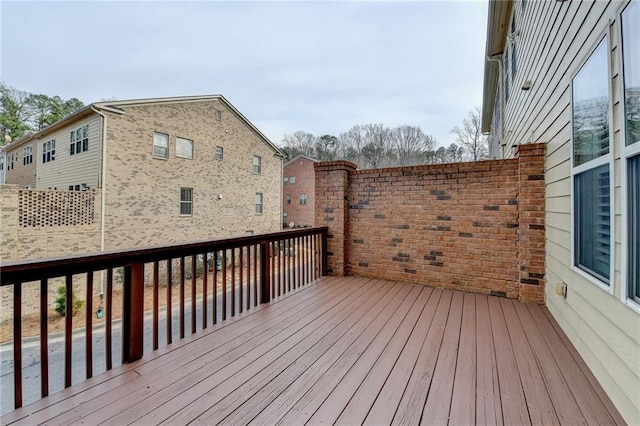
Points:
(232, 275)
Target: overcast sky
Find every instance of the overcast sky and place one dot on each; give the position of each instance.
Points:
(321, 67)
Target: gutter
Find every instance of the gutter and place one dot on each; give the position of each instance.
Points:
(498, 59)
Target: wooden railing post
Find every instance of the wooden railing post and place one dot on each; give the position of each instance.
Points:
(133, 314)
(265, 273)
(323, 254)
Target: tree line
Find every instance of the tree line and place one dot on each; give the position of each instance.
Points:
(376, 145)
(22, 112)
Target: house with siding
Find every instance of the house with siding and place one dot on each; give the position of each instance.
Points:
(567, 73)
(298, 202)
(165, 170)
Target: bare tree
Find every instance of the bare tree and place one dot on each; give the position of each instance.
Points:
(299, 143)
(470, 136)
(410, 144)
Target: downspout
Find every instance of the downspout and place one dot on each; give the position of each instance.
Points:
(103, 200)
(497, 58)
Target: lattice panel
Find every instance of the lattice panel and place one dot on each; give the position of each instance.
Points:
(56, 208)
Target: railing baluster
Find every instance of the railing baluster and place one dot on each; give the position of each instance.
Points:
(193, 293)
(44, 338)
(68, 330)
(272, 262)
(265, 297)
(280, 266)
(169, 301)
(224, 284)
(89, 327)
(133, 313)
(109, 321)
(291, 265)
(156, 313)
(182, 297)
(205, 275)
(233, 282)
(248, 277)
(17, 344)
(240, 300)
(255, 275)
(215, 287)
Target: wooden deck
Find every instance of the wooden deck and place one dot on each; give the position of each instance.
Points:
(351, 350)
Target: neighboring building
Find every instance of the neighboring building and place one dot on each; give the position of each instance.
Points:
(298, 202)
(568, 74)
(166, 170)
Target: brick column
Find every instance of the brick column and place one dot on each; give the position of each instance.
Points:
(332, 209)
(531, 219)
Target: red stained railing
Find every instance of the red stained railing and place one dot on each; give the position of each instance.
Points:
(233, 274)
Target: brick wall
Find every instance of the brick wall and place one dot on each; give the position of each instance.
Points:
(468, 226)
(300, 214)
(42, 223)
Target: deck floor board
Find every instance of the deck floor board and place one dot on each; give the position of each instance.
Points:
(350, 351)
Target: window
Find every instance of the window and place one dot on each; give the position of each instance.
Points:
(160, 145)
(219, 153)
(49, 151)
(591, 167)
(631, 150)
(10, 160)
(1, 162)
(284, 215)
(288, 198)
(303, 199)
(292, 179)
(218, 115)
(79, 140)
(27, 155)
(186, 201)
(286, 180)
(258, 203)
(257, 164)
(184, 148)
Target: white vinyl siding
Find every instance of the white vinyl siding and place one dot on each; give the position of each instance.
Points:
(555, 40)
(69, 169)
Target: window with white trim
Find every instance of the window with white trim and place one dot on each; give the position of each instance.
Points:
(79, 140)
(288, 198)
(292, 179)
(258, 202)
(630, 17)
(591, 167)
(303, 199)
(184, 148)
(219, 153)
(160, 145)
(186, 201)
(27, 155)
(257, 164)
(49, 151)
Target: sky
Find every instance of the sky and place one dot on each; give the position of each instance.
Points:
(316, 66)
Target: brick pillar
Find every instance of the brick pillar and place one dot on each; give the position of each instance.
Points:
(332, 209)
(531, 229)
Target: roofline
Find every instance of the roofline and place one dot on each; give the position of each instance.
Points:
(114, 107)
(498, 17)
(300, 156)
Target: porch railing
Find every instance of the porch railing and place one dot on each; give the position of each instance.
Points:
(231, 275)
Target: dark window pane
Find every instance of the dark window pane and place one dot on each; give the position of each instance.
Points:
(633, 168)
(593, 222)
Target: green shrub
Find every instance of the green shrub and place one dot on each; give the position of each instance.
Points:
(61, 302)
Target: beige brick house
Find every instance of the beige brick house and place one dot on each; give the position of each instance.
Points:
(164, 170)
(298, 202)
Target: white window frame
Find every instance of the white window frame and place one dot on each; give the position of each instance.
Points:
(27, 155)
(48, 151)
(606, 159)
(219, 153)
(186, 143)
(627, 152)
(302, 199)
(257, 166)
(184, 202)
(153, 149)
(79, 140)
(258, 203)
(292, 179)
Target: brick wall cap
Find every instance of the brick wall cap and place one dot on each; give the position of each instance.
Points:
(335, 165)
